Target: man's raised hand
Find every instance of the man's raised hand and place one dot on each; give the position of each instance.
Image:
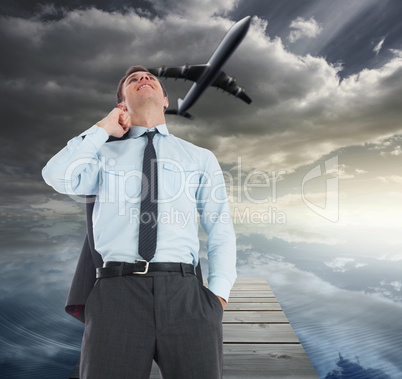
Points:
(116, 123)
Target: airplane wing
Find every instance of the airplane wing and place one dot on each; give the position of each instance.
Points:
(189, 72)
(228, 84)
(194, 72)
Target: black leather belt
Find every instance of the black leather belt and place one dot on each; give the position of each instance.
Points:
(140, 267)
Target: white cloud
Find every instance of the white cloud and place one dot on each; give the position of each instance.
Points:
(391, 257)
(56, 207)
(377, 48)
(341, 172)
(359, 265)
(304, 29)
(391, 179)
(360, 171)
(194, 8)
(397, 285)
(339, 264)
(397, 151)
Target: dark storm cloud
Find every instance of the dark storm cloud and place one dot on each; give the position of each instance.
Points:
(59, 77)
(350, 29)
(33, 223)
(55, 9)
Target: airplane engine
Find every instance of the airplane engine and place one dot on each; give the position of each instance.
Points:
(239, 92)
(162, 71)
(184, 69)
(231, 81)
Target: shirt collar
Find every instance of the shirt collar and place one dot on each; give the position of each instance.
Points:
(137, 131)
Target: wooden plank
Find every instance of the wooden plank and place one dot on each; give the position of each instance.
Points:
(259, 333)
(246, 283)
(266, 361)
(252, 307)
(254, 317)
(249, 294)
(262, 361)
(154, 372)
(244, 280)
(253, 300)
(251, 280)
(249, 287)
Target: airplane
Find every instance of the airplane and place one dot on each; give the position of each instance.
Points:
(209, 74)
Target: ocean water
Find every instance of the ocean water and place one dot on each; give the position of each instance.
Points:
(347, 316)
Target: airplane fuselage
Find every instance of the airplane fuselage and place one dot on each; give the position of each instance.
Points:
(213, 68)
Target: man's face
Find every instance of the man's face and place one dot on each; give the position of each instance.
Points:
(141, 88)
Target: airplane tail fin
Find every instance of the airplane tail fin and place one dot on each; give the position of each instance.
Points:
(187, 115)
(176, 111)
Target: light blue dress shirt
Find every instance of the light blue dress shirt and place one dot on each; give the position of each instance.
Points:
(189, 180)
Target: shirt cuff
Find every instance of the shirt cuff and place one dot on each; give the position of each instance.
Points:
(220, 287)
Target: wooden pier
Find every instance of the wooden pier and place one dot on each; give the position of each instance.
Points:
(258, 341)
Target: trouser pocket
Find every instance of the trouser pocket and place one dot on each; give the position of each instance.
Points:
(213, 300)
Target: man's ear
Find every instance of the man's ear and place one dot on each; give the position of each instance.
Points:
(166, 103)
(122, 106)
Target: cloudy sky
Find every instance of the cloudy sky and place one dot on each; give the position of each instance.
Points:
(322, 139)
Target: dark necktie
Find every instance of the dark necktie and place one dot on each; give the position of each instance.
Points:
(149, 202)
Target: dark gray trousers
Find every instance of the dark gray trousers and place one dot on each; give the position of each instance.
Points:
(167, 317)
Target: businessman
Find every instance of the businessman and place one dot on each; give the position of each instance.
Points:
(151, 188)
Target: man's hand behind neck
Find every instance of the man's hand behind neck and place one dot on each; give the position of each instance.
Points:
(116, 123)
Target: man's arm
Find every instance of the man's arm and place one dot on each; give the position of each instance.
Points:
(74, 170)
(215, 218)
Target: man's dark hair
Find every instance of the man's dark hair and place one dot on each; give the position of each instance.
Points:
(131, 70)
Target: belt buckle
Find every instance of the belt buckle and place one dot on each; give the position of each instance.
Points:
(146, 267)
